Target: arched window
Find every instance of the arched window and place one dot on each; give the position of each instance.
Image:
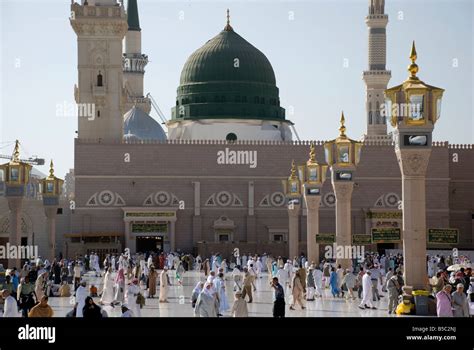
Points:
(99, 79)
(231, 137)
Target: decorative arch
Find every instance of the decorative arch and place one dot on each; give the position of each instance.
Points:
(105, 198)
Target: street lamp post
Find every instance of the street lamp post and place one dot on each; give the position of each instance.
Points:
(414, 107)
(51, 190)
(16, 177)
(314, 177)
(343, 155)
(292, 188)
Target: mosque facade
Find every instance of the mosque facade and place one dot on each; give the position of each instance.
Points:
(213, 181)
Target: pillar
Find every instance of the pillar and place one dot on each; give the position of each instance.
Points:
(413, 165)
(51, 229)
(343, 192)
(15, 205)
(312, 227)
(293, 231)
(172, 236)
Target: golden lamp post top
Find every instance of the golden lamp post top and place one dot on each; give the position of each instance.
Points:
(413, 67)
(16, 153)
(293, 175)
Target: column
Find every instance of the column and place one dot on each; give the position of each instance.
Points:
(172, 236)
(51, 228)
(413, 165)
(312, 227)
(293, 230)
(15, 205)
(343, 192)
(130, 241)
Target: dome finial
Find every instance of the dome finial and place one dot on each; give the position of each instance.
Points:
(228, 27)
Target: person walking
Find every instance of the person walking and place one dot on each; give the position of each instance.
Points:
(278, 299)
(297, 291)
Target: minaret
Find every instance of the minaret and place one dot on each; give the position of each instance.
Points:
(100, 27)
(134, 61)
(377, 76)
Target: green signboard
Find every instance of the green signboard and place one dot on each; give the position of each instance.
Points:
(443, 236)
(362, 239)
(150, 214)
(149, 228)
(326, 238)
(386, 235)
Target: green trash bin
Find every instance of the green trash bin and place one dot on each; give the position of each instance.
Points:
(421, 302)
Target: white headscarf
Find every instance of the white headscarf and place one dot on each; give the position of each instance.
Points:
(208, 292)
(198, 288)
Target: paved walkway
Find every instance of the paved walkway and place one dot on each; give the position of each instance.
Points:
(180, 305)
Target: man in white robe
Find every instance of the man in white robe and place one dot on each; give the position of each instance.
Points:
(282, 276)
(108, 294)
(81, 294)
(366, 302)
(10, 307)
(40, 285)
(164, 285)
(112, 263)
(170, 260)
(244, 260)
(132, 294)
(318, 281)
(259, 266)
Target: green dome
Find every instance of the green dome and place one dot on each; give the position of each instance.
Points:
(228, 78)
(216, 61)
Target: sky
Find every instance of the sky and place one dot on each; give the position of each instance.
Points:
(318, 50)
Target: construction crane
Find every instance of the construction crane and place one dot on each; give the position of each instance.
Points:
(157, 109)
(34, 160)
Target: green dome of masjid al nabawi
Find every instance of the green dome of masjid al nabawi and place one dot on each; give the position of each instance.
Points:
(228, 78)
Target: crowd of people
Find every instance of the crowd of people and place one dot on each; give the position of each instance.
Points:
(129, 280)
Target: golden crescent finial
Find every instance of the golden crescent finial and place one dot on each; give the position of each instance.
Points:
(228, 27)
(342, 128)
(293, 169)
(413, 67)
(16, 152)
(51, 169)
(312, 153)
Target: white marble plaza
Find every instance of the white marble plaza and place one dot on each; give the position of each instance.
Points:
(179, 304)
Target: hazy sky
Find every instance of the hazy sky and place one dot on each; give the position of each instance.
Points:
(307, 43)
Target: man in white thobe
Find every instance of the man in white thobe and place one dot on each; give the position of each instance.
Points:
(318, 281)
(10, 308)
(132, 294)
(366, 302)
(81, 294)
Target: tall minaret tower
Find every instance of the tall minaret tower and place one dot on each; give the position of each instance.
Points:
(377, 76)
(134, 61)
(100, 26)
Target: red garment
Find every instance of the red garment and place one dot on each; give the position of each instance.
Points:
(161, 262)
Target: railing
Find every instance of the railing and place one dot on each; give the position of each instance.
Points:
(368, 142)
